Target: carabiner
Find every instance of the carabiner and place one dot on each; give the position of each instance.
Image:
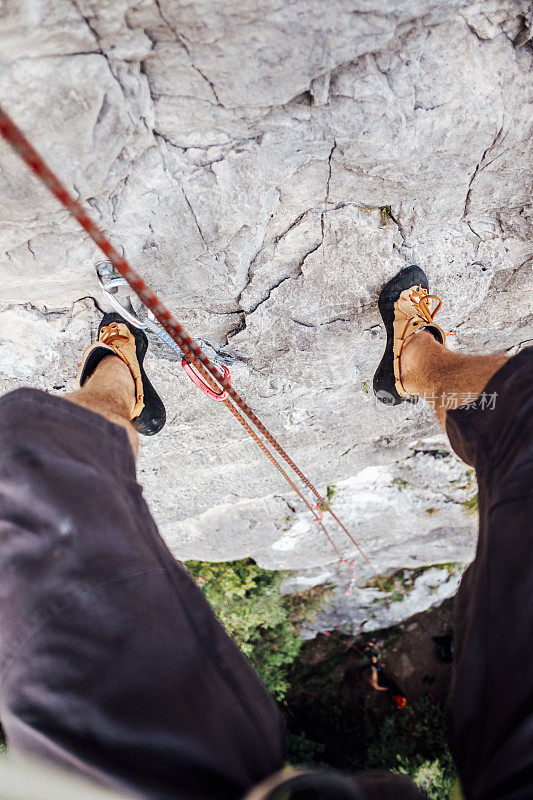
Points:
(110, 282)
(218, 397)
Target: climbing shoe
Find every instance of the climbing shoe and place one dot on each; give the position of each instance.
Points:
(405, 306)
(120, 338)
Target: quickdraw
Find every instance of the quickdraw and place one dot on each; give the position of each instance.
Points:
(216, 396)
(110, 283)
(218, 381)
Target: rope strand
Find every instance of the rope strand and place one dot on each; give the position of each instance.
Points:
(192, 352)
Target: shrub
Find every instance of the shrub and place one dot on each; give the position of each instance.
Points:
(248, 602)
(302, 750)
(472, 505)
(327, 727)
(264, 623)
(413, 742)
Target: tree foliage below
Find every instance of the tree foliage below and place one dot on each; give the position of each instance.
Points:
(413, 741)
(248, 602)
(264, 624)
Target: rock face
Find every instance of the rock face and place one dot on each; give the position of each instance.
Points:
(266, 167)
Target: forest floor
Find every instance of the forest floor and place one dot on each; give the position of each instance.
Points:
(330, 700)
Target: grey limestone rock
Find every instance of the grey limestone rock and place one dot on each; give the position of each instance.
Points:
(267, 167)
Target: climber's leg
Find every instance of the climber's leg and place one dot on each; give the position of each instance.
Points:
(491, 704)
(111, 661)
(486, 406)
(110, 391)
(416, 362)
(446, 379)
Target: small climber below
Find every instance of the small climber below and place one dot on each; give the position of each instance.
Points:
(112, 664)
(377, 678)
(372, 669)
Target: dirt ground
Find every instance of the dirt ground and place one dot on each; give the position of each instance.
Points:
(410, 653)
(331, 666)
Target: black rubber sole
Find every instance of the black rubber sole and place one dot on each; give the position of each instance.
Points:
(153, 416)
(384, 380)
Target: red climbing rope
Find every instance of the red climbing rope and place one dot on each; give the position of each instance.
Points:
(218, 381)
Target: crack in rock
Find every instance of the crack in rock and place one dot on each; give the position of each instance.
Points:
(329, 170)
(293, 224)
(394, 109)
(320, 324)
(479, 167)
(100, 51)
(180, 40)
(195, 218)
(269, 292)
(294, 276)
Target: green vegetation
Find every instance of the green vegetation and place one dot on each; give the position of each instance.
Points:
(385, 215)
(465, 481)
(324, 727)
(365, 387)
(304, 751)
(396, 596)
(411, 741)
(402, 579)
(331, 491)
(402, 582)
(451, 567)
(472, 505)
(468, 482)
(435, 452)
(400, 484)
(263, 622)
(414, 743)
